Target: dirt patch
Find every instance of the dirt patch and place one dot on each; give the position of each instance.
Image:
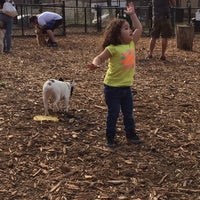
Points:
(67, 159)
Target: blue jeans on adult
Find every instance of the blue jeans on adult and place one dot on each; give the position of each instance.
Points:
(119, 98)
(8, 21)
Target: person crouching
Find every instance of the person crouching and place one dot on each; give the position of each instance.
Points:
(48, 22)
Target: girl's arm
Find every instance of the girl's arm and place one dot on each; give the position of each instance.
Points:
(137, 25)
(98, 60)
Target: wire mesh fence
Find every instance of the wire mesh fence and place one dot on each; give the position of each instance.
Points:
(91, 19)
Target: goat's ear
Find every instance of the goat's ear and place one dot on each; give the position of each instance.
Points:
(61, 79)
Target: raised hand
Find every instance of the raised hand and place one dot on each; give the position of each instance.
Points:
(130, 8)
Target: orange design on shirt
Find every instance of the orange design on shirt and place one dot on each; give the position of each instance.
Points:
(128, 59)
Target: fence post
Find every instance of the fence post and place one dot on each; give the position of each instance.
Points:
(189, 14)
(173, 19)
(85, 12)
(98, 18)
(41, 8)
(22, 19)
(63, 14)
(150, 17)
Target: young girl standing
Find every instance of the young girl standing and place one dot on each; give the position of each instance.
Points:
(119, 50)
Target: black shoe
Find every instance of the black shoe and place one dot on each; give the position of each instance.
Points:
(6, 51)
(162, 58)
(149, 57)
(49, 41)
(111, 145)
(54, 44)
(134, 139)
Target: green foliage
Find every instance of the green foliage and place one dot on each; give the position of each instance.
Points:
(3, 84)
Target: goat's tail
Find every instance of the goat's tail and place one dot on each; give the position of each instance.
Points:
(72, 87)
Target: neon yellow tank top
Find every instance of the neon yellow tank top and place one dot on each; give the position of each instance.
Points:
(121, 65)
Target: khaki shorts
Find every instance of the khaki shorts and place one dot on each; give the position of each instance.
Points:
(161, 27)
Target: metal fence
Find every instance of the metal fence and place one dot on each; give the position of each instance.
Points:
(90, 19)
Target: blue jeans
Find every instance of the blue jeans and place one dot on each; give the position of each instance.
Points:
(8, 21)
(119, 98)
(53, 24)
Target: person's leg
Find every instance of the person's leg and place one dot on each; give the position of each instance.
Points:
(50, 26)
(155, 34)
(128, 118)
(8, 35)
(51, 35)
(166, 33)
(127, 110)
(51, 41)
(112, 99)
(152, 46)
(164, 47)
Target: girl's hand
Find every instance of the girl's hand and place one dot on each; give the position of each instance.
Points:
(92, 66)
(130, 9)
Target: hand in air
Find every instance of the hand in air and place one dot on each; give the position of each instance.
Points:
(130, 8)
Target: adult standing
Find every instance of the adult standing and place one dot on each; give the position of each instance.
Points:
(48, 22)
(161, 25)
(7, 21)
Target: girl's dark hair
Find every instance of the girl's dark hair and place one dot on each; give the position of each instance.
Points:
(112, 32)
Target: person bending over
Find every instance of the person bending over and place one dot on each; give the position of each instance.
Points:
(48, 22)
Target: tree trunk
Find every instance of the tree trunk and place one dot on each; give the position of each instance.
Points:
(184, 37)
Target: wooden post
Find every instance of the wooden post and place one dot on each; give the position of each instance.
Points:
(184, 37)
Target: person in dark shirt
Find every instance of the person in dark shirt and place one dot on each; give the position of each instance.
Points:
(161, 25)
(7, 21)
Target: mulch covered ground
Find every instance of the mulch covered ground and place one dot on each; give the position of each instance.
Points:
(67, 160)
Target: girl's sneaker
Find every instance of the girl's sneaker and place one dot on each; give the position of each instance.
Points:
(110, 143)
(133, 138)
